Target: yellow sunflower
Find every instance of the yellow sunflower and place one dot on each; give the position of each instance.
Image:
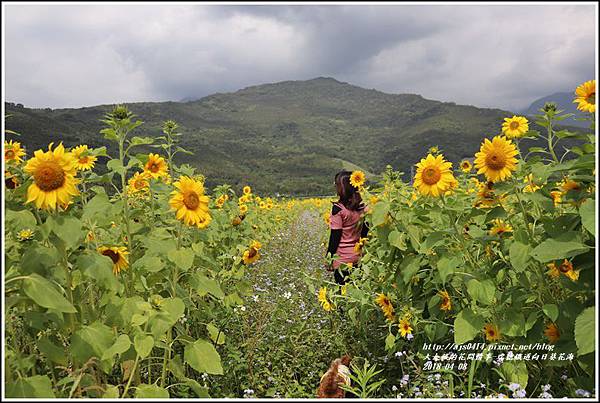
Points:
(405, 328)
(553, 272)
(556, 197)
(10, 180)
(466, 166)
(566, 268)
(83, 160)
(552, 333)
(492, 333)
(357, 179)
(118, 255)
(359, 245)
(190, 203)
(496, 159)
(90, 237)
(586, 96)
(220, 201)
(13, 152)
(433, 150)
(486, 197)
(386, 306)
(138, 183)
(499, 227)
(25, 235)
(446, 303)
(247, 190)
(53, 175)
(451, 186)
(531, 186)
(243, 208)
(434, 175)
(567, 185)
(251, 255)
(323, 299)
(515, 127)
(156, 166)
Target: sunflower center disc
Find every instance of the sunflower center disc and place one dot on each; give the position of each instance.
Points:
(191, 200)
(564, 268)
(84, 160)
(10, 183)
(431, 176)
(139, 184)
(591, 99)
(112, 255)
(252, 252)
(49, 176)
(495, 161)
(514, 125)
(154, 168)
(9, 154)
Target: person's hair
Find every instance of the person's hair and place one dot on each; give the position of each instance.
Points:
(348, 194)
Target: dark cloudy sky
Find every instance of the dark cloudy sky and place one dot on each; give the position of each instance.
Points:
(485, 55)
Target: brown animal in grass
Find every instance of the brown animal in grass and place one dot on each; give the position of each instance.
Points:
(336, 375)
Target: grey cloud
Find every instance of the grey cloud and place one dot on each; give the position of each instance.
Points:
(495, 56)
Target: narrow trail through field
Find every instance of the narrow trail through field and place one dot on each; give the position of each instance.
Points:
(289, 340)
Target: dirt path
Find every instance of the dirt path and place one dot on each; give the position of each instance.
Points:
(289, 339)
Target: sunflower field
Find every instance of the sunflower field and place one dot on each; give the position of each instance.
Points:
(498, 252)
(139, 282)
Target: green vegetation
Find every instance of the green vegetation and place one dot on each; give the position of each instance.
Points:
(287, 138)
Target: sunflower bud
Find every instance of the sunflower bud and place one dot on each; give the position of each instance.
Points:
(169, 126)
(120, 112)
(156, 301)
(550, 107)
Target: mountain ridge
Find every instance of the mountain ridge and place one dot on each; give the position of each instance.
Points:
(564, 101)
(287, 137)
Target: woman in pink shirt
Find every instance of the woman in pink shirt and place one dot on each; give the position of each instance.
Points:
(346, 226)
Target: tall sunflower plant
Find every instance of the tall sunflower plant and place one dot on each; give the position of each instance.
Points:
(498, 248)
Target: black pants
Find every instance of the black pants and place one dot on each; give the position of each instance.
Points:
(340, 276)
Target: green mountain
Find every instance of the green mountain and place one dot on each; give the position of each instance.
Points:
(289, 137)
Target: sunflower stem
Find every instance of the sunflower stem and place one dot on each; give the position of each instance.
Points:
(128, 241)
(179, 235)
(137, 359)
(166, 356)
(529, 230)
(84, 189)
(550, 141)
(37, 216)
(70, 292)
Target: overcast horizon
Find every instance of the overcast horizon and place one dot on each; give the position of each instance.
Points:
(495, 56)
